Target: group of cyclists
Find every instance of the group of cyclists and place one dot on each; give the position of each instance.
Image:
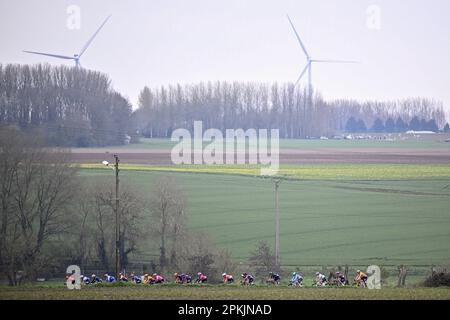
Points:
(93, 279)
(320, 280)
(185, 278)
(133, 278)
(337, 279)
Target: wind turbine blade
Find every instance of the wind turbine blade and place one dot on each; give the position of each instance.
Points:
(298, 37)
(50, 55)
(93, 36)
(302, 74)
(334, 61)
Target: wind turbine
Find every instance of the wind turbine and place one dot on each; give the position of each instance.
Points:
(76, 57)
(310, 61)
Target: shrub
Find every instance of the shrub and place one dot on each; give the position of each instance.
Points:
(438, 279)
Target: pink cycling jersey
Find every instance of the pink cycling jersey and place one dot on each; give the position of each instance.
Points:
(227, 277)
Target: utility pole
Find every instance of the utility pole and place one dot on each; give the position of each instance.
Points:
(116, 209)
(277, 223)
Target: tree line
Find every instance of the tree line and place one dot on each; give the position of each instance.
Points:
(391, 126)
(285, 107)
(72, 106)
(79, 107)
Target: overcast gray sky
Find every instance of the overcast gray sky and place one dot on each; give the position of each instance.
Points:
(157, 42)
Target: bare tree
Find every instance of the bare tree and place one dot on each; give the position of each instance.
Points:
(402, 272)
(199, 255)
(130, 221)
(224, 262)
(263, 259)
(37, 187)
(168, 211)
(80, 235)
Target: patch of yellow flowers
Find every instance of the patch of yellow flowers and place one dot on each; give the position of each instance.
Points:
(311, 172)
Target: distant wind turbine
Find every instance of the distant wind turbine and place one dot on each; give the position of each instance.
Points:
(310, 61)
(75, 57)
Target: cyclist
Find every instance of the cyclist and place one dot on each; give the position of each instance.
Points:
(95, 279)
(296, 280)
(201, 278)
(135, 279)
(157, 278)
(321, 280)
(247, 279)
(274, 278)
(109, 278)
(227, 278)
(340, 279)
(148, 279)
(182, 278)
(123, 277)
(361, 279)
(85, 279)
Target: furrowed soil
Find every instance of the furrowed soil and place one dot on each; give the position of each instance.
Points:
(287, 156)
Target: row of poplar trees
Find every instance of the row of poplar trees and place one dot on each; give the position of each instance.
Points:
(79, 107)
(73, 106)
(292, 110)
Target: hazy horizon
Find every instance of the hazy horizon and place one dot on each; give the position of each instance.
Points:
(154, 43)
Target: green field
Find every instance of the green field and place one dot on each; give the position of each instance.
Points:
(399, 217)
(222, 292)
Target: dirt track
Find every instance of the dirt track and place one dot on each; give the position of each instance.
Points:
(287, 156)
